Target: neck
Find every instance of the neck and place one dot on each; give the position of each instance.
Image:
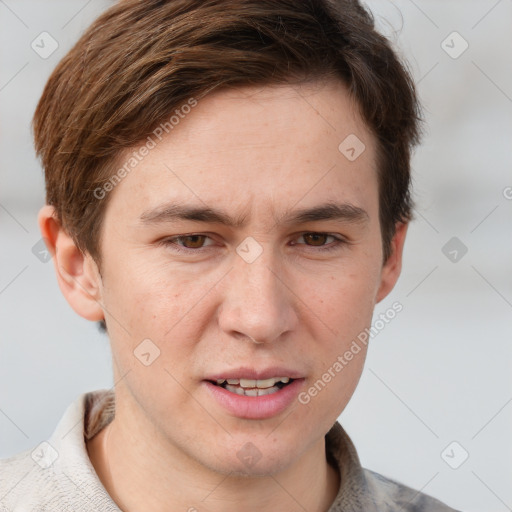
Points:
(157, 477)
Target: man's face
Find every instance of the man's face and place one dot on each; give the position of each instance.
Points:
(202, 290)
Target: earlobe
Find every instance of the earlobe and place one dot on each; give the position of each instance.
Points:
(393, 266)
(77, 273)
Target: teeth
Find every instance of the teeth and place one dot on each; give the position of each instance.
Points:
(267, 383)
(268, 391)
(252, 383)
(251, 392)
(238, 390)
(247, 383)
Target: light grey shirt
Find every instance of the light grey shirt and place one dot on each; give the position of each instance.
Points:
(57, 475)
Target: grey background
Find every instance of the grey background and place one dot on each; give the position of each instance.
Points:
(438, 373)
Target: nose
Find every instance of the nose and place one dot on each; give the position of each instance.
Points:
(257, 304)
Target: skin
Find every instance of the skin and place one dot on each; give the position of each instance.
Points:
(258, 153)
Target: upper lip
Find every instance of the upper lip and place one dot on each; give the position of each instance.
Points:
(255, 374)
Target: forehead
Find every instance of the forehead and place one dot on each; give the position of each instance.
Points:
(263, 148)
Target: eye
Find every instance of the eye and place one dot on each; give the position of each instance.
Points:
(196, 242)
(314, 239)
(187, 242)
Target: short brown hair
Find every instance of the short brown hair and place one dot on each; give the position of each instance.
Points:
(143, 59)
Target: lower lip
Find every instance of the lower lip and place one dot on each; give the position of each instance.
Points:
(256, 407)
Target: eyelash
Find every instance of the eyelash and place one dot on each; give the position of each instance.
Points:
(171, 242)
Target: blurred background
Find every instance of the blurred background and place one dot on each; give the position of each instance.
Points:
(434, 405)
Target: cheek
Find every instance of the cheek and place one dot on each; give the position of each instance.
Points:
(338, 357)
(145, 296)
(345, 306)
(166, 307)
(345, 299)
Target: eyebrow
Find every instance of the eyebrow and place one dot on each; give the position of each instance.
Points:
(329, 211)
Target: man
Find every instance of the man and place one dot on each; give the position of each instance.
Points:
(228, 194)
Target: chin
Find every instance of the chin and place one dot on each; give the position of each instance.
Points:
(261, 468)
(254, 456)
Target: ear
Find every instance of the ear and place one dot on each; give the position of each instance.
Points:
(393, 266)
(77, 273)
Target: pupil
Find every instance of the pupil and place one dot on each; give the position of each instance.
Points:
(315, 236)
(195, 239)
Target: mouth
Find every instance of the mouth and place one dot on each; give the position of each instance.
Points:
(253, 387)
(254, 394)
